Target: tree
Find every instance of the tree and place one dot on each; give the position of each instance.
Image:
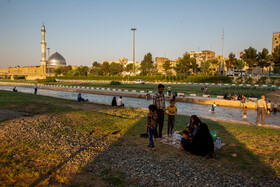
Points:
(115, 68)
(205, 67)
(250, 56)
(57, 71)
(82, 70)
(147, 65)
(231, 60)
(264, 59)
(167, 66)
(129, 67)
(105, 68)
(95, 64)
(239, 64)
(184, 64)
(194, 65)
(66, 69)
(276, 58)
(215, 64)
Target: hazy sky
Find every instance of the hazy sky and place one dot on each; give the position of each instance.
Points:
(98, 30)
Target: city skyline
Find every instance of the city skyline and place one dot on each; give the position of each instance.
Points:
(89, 31)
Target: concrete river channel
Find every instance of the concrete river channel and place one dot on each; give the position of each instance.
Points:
(228, 113)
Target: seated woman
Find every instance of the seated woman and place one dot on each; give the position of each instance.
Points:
(114, 101)
(79, 98)
(202, 143)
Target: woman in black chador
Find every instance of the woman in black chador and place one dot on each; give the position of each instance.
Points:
(202, 143)
(114, 101)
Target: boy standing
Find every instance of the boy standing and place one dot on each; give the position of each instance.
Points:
(172, 111)
(151, 125)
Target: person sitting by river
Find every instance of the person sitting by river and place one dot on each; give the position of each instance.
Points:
(14, 89)
(79, 98)
(148, 94)
(239, 97)
(114, 101)
(174, 95)
(225, 96)
(202, 143)
(120, 102)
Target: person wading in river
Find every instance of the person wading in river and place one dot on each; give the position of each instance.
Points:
(261, 105)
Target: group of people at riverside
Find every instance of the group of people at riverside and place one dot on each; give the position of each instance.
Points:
(196, 137)
(35, 89)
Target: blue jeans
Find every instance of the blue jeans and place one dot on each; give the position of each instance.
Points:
(151, 133)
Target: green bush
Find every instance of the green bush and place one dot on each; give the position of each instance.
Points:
(47, 80)
(115, 83)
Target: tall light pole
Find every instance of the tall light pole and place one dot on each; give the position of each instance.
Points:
(223, 53)
(133, 29)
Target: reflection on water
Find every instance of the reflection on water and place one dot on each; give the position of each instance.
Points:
(183, 108)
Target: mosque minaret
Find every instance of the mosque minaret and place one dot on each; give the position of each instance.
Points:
(43, 46)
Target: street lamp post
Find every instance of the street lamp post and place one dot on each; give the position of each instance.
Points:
(133, 29)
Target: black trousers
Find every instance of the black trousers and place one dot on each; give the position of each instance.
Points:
(160, 120)
(171, 121)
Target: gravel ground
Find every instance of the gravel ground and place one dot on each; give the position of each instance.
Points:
(144, 167)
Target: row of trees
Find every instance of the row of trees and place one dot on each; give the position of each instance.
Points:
(184, 66)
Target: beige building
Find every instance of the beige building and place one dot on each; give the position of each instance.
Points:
(46, 68)
(122, 61)
(275, 40)
(159, 61)
(202, 56)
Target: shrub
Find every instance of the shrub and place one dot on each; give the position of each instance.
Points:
(47, 80)
(115, 83)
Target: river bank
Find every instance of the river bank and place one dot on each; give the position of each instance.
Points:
(206, 100)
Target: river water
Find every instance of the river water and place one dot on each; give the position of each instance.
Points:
(183, 108)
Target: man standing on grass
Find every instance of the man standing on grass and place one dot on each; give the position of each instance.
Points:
(159, 101)
(261, 107)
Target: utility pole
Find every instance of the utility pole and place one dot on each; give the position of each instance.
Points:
(133, 29)
(48, 52)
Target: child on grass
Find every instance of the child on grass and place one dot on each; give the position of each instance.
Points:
(172, 111)
(151, 125)
(186, 139)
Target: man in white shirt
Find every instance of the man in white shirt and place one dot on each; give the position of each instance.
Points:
(120, 102)
(261, 107)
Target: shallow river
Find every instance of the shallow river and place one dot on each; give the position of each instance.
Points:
(183, 108)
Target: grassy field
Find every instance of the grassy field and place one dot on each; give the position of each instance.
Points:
(25, 160)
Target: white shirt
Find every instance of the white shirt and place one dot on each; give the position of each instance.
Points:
(119, 102)
(169, 88)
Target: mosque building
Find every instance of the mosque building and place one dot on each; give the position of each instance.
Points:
(45, 69)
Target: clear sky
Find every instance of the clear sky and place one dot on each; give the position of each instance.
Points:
(84, 31)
